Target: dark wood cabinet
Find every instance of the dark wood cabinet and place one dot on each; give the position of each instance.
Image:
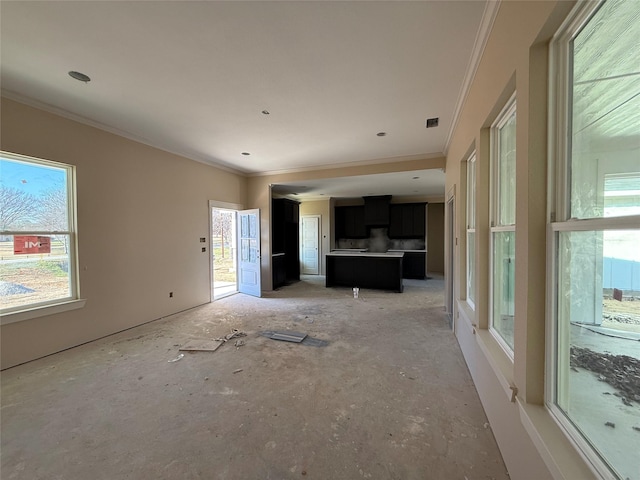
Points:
(349, 222)
(285, 240)
(291, 211)
(414, 265)
(376, 210)
(395, 221)
(379, 272)
(279, 270)
(407, 220)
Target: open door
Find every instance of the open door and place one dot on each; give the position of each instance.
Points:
(249, 252)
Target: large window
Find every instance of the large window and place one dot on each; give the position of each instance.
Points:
(503, 225)
(37, 238)
(471, 230)
(595, 386)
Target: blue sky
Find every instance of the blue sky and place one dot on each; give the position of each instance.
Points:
(29, 178)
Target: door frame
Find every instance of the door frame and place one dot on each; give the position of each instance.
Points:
(451, 241)
(318, 242)
(215, 204)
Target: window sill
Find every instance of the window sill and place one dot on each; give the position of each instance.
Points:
(558, 452)
(43, 311)
(469, 313)
(500, 362)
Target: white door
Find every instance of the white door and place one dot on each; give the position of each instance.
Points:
(249, 252)
(310, 244)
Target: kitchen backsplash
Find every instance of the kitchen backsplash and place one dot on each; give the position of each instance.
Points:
(397, 244)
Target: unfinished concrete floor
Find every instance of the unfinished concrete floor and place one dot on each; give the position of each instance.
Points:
(388, 396)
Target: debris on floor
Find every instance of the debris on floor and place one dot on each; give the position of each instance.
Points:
(234, 333)
(213, 345)
(306, 340)
(201, 346)
(238, 370)
(620, 371)
(239, 343)
(179, 357)
(288, 336)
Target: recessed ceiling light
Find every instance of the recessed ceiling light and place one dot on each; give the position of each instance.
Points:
(381, 134)
(266, 112)
(246, 153)
(79, 76)
(415, 178)
(322, 194)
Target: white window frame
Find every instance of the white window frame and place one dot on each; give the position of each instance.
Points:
(73, 300)
(471, 226)
(494, 147)
(559, 213)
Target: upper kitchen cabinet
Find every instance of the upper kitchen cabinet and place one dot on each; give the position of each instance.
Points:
(350, 222)
(376, 210)
(407, 220)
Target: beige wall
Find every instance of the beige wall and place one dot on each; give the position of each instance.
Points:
(515, 60)
(141, 212)
(322, 208)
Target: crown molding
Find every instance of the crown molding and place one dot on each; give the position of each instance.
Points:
(16, 97)
(482, 37)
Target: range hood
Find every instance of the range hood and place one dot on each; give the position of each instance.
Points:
(376, 210)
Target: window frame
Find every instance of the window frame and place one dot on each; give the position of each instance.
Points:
(560, 221)
(73, 300)
(503, 117)
(471, 271)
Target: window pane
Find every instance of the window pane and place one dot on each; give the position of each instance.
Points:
(598, 367)
(33, 197)
(471, 194)
(507, 172)
(504, 249)
(605, 114)
(29, 274)
(471, 266)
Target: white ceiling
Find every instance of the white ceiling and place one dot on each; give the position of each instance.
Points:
(193, 77)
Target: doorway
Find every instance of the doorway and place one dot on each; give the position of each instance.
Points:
(310, 244)
(223, 252)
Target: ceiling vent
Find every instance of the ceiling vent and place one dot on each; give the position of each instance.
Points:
(432, 122)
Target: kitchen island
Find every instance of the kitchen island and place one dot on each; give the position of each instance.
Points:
(365, 270)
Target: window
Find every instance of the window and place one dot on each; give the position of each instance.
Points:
(471, 230)
(595, 277)
(503, 228)
(37, 234)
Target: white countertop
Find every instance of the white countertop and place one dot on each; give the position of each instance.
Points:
(343, 253)
(419, 251)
